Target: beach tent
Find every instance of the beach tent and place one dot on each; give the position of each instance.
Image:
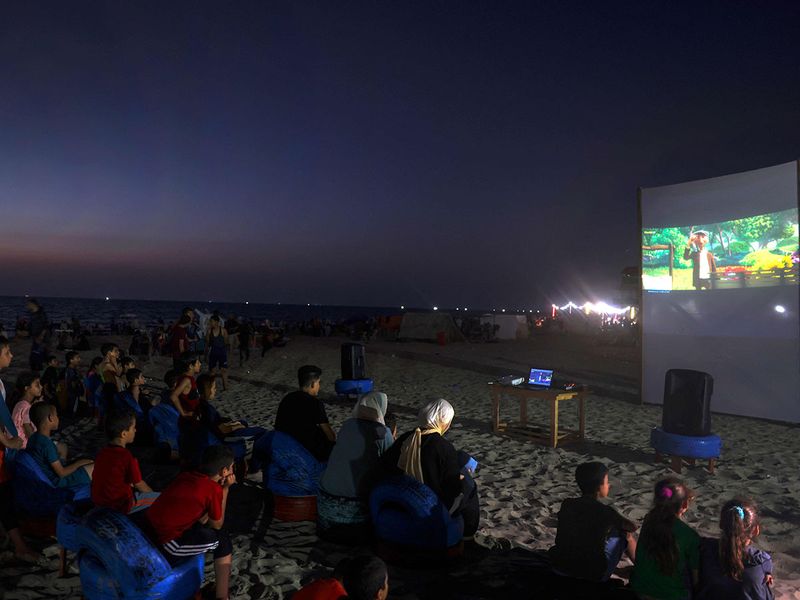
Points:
(426, 326)
(512, 327)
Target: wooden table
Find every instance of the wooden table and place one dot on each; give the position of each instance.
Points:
(533, 433)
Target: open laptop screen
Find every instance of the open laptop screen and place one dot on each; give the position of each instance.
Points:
(542, 377)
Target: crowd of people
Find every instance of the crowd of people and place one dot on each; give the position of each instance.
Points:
(187, 517)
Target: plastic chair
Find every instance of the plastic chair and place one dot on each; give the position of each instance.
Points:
(118, 561)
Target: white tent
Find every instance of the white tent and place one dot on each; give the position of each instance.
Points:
(511, 327)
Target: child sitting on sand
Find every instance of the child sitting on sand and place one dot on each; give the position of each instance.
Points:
(591, 536)
(50, 378)
(732, 567)
(117, 481)
(668, 552)
(74, 384)
(28, 390)
(188, 517)
(44, 451)
(360, 578)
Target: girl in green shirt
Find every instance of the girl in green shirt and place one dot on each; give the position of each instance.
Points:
(668, 551)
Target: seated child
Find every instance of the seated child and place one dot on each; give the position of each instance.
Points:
(359, 578)
(74, 383)
(732, 568)
(391, 423)
(117, 481)
(126, 363)
(668, 551)
(221, 427)
(28, 390)
(43, 449)
(93, 384)
(591, 536)
(50, 378)
(188, 517)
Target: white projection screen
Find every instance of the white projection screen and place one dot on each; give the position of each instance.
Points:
(733, 314)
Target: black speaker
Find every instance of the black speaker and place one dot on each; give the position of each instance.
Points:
(354, 362)
(687, 402)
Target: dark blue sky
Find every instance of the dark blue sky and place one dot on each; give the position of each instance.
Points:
(418, 153)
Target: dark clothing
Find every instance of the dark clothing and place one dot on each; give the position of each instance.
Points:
(49, 381)
(198, 539)
(715, 585)
(584, 526)
(440, 465)
(8, 516)
(38, 324)
(299, 415)
(694, 255)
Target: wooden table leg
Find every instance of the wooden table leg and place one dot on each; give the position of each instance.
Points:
(523, 411)
(553, 422)
(712, 463)
(677, 463)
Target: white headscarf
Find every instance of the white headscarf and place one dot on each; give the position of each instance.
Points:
(372, 407)
(435, 417)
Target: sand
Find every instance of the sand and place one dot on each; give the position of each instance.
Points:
(521, 484)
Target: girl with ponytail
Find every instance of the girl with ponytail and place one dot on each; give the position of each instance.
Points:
(732, 566)
(668, 551)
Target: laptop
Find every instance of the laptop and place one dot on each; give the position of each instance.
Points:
(540, 378)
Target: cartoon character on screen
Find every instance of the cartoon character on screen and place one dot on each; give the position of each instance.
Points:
(703, 263)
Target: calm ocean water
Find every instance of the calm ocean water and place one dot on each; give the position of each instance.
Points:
(148, 312)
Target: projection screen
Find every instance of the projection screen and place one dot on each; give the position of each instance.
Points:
(720, 289)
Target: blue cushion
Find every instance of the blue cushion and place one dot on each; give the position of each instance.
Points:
(291, 470)
(706, 446)
(117, 558)
(407, 512)
(34, 494)
(69, 518)
(164, 419)
(346, 387)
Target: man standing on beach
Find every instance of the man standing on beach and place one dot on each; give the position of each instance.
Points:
(38, 333)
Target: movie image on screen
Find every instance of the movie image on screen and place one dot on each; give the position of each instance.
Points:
(757, 251)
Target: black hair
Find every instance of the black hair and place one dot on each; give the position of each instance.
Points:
(70, 355)
(739, 524)
(40, 411)
(25, 379)
(132, 375)
(95, 362)
(364, 577)
(126, 360)
(33, 301)
(107, 347)
(307, 375)
(51, 357)
(669, 496)
(4, 342)
(184, 320)
(216, 458)
(590, 476)
(171, 378)
(204, 383)
(186, 310)
(186, 360)
(390, 419)
(118, 421)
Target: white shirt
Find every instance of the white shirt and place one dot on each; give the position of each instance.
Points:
(703, 263)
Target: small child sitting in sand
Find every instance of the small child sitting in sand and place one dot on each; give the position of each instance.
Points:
(117, 481)
(591, 536)
(360, 578)
(44, 451)
(74, 384)
(50, 378)
(732, 567)
(668, 552)
(28, 389)
(188, 517)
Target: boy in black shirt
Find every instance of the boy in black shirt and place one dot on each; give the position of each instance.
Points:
(591, 536)
(302, 415)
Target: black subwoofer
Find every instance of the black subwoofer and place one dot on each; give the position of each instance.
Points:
(354, 362)
(687, 402)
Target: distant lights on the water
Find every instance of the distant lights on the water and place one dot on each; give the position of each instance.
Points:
(247, 302)
(107, 298)
(402, 307)
(780, 309)
(435, 308)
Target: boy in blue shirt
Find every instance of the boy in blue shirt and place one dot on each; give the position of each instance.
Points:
(44, 451)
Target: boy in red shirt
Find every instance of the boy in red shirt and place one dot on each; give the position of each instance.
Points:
(117, 481)
(187, 519)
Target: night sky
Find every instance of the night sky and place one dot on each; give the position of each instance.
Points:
(373, 153)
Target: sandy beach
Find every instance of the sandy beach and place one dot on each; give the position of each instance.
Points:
(521, 484)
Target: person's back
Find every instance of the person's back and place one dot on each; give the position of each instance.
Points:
(301, 414)
(357, 451)
(591, 535)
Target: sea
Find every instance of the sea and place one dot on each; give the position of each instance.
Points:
(103, 313)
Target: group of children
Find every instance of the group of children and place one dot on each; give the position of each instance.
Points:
(187, 517)
(670, 560)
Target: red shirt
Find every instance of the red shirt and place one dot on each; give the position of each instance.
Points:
(322, 589)
(191, 400)
(181, 505)
(115, 471)
(178, 334)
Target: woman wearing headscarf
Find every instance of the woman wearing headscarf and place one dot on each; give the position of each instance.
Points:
(345, 485)
(428, 457)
